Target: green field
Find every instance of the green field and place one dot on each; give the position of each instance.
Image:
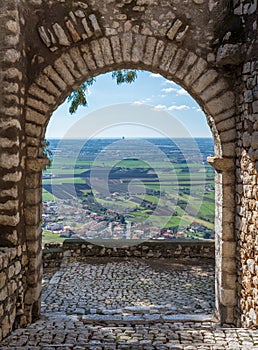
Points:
(187, 189)
(49, 237)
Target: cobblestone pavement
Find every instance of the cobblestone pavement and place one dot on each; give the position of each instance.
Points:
(129, 305)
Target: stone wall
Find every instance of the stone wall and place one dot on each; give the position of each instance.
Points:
(246, 169)
(208, 47)
(11, 290)
(247, 194)
(53, 254)
(13, 254)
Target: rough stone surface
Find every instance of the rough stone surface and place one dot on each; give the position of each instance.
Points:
(114, 304)
(44, 57)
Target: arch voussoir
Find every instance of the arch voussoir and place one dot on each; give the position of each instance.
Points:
(221, 103)
(184, 68)
(45, 83)
(151, 43)
(38, 105)
(165, 58)
(97, 53)
(77, 57)
(88, 57)
(138, 48)
(127, 43)
(63, 71)
(205, 80)
(40, 94)
(107, 51)
(53, 75)
(213, 90)
(116, 49)
(160, 47)
(196, 71)
(71, 66)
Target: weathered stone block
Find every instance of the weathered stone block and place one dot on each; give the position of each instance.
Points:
(149, 50)
(127, 42)
(41, 94)
(32, 215)
(254, 140)
(116, 47)
(3, 294)
(229, 265)
(33, 196)
(64, 72)
(2, 280)
(255, 106)
(11, 220)
(230, 54)
(106, 51)
(88, 58)
(9, 161)
(138, 48)
(195, 72)
(55, 77)
(32, 295)
(228, 297)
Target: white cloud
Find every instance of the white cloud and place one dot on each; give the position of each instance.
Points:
(160, 107)
(178, 108)
(182, 92)
(142, 102)
(169, 82)
(168, 90)
(137, 103)
(154, 75)
(197, 109)
(171, 108)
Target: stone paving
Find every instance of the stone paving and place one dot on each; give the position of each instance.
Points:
(116, 304)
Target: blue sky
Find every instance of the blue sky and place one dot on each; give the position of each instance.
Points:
(159, 95)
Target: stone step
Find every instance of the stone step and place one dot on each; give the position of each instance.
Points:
(132, 319)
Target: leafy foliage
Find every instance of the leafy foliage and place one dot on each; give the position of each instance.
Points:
(47, 153)
(79, 96)
(124, 76)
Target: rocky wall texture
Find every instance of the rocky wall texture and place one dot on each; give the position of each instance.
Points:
(70, 42)
(208, 47)
(11, 122)
(247, 195)
(247, 169)
(13, 251)
(11, 290)
(53, 254)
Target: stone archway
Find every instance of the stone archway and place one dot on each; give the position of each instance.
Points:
(208, 87)
(44, 57)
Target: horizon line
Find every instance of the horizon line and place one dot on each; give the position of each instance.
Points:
(126, 138)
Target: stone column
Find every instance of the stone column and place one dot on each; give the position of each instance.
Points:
(32, 213)
(225, 241)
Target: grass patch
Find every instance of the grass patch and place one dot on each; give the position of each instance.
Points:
(49, 237)
(47, 196)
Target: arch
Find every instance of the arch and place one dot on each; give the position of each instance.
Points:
(133, 51)
(207, 86)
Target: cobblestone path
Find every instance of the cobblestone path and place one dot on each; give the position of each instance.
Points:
(116, 304)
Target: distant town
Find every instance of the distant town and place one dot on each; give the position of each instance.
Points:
(143, 198)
